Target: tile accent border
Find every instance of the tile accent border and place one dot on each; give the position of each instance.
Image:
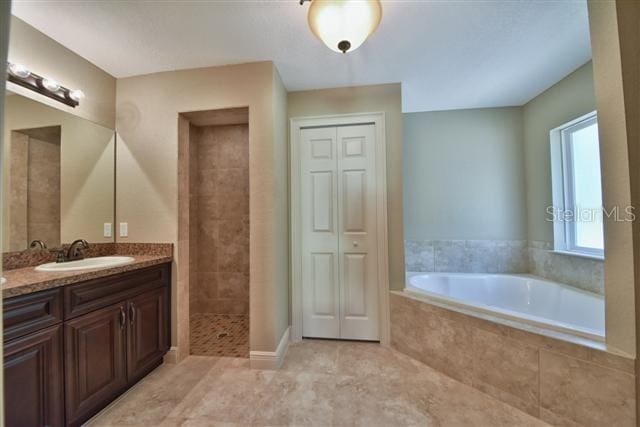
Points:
(271, 360)
(559, 382)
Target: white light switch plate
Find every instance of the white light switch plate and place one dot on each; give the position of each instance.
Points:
(124, 229)
(107, 229)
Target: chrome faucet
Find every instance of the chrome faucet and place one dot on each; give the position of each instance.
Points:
(75, 250)
(38, 243)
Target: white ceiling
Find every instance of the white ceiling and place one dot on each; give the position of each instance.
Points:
(447, 54)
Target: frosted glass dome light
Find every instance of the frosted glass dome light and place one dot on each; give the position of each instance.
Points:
(343, 25)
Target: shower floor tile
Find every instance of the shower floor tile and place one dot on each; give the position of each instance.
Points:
(219, 335)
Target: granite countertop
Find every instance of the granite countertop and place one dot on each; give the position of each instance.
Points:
(27, 280)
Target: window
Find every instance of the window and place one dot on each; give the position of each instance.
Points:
(577, 190)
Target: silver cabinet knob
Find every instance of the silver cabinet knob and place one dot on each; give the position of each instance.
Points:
(355, 243)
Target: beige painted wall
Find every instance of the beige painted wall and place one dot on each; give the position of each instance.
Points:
(147, 123)
(281, 204)
(571, 97)
(46, 57)
(87, 168)
(620, 163)
(463, 175)
(362, 99)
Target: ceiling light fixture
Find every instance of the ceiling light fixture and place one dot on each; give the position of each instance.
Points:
(20, 75)
(343, 25)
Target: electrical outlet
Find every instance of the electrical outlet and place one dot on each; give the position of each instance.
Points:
(108, 232)
(124, 229)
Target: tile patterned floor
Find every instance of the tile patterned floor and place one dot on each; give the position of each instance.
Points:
(323, 383)
(219, 335)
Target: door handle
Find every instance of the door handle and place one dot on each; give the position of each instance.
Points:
(123, 317)
(132, 313)
(355, 244)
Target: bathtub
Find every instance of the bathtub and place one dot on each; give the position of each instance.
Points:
(520, 298)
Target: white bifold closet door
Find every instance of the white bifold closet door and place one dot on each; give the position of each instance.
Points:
(339, 245)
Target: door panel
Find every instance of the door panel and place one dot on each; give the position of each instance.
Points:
(355, 290)
(94, 361)
(357, 229)
(322, 208)
(33, 380)
(338, 209)
(354, 193)
(147, 338)
(320, 283)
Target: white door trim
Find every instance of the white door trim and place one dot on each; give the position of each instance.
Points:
(298, 123)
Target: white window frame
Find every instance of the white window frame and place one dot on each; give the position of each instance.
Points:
(564, 239)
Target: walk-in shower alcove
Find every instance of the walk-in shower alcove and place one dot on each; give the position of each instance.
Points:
(214, 172)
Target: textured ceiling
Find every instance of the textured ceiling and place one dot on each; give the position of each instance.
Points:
(447, 54)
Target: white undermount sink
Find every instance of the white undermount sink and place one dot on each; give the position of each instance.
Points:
(86, 264)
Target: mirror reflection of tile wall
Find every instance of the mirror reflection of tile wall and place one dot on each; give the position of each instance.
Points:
(58, 176)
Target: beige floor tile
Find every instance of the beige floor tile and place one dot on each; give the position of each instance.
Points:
(323, 383)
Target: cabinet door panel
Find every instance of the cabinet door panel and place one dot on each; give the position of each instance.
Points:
(147, 337)
(33, 387)
(95, 356)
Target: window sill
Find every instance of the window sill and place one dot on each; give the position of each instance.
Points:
(579, 255)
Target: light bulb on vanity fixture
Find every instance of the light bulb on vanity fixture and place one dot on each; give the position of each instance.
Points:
(19, 70)
(76, 95)
(343, 25)
(50, 85)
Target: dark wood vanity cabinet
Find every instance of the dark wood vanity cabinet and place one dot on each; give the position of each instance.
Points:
(33, 383)
(147, 337)
(106, 335)
(95, 361)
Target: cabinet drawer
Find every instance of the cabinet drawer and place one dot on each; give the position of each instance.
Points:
(29, 313)
(94, 294)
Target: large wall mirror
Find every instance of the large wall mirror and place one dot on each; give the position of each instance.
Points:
(59, 176)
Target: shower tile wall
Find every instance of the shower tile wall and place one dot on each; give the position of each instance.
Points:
(219, 211)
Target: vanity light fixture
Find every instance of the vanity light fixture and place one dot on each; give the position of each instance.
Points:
(21, 75)
(343, 25)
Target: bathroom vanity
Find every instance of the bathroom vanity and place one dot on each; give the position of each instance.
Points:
(72, 349)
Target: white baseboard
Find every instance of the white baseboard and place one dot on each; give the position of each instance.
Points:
(271, 359)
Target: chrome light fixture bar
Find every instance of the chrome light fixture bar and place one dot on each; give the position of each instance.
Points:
(22, 76)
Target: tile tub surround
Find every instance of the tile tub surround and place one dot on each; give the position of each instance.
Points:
(467, 256)
(321, 383)
(32, 258)
(560, 382)
(505, 257)
(583, 273)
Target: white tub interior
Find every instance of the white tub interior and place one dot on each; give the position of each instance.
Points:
(517, 297)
